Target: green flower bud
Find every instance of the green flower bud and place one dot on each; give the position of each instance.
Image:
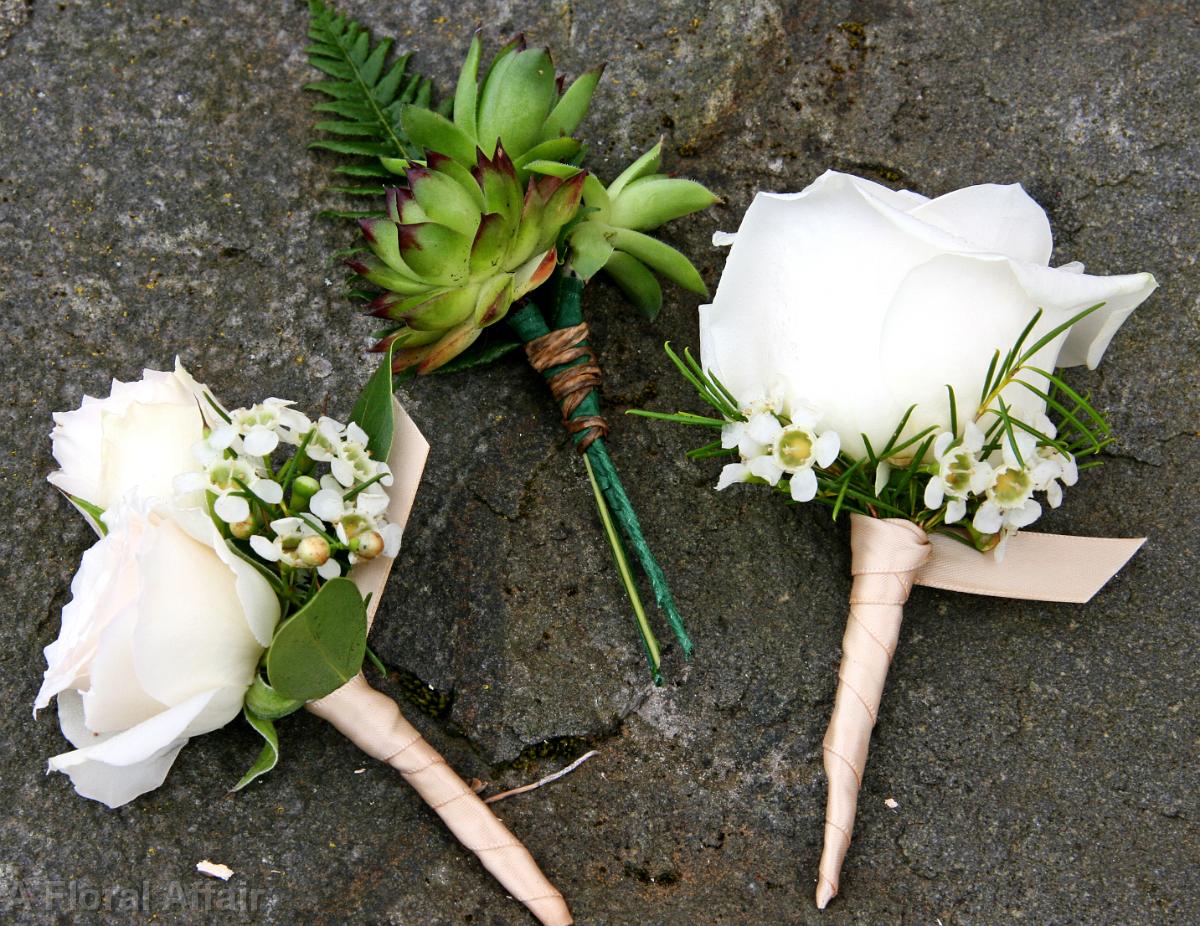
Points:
(303, 488)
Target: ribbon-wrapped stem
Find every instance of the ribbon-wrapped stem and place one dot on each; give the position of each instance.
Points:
(373, 722)
(565, 359)
(885, 558)
(888, 556)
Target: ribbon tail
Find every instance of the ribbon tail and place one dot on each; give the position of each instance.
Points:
(373, 722)
(1035, 567)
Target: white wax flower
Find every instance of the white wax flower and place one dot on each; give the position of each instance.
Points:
(960, 472)
(159, 643)
(862, 301)
(139, 438)
(263, 426)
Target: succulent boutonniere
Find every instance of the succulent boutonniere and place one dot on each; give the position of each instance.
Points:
(481, 211)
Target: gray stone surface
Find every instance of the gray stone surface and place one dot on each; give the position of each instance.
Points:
(156, 197)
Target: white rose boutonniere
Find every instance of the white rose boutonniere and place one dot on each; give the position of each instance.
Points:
(242, 555)
(893, 357)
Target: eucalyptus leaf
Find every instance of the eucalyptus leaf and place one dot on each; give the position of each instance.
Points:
(269, 757)
(373, 410)
(321, 647)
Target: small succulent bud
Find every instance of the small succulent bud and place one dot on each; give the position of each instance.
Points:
(242, 530)
(313, 551)
(367, 545)
(613, 236)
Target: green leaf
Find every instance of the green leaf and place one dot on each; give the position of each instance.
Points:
(321, 647)
(558, 150)
(662, 258)
(269, 757)
(572, 106)
(647, 164)
(590, 249)
(365, 170)
(481, 354)
(467, 91)
(368, 149)
(649, 202)
(93, 513)
(437, 133)
(550, 168)
(636, 281)
(264, 701)
(373, 410)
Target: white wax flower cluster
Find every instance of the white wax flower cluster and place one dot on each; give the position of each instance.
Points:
(773, 442)
(349, 502)
(994, 480)
(1002, 485)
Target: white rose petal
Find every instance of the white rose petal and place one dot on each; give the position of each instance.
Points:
(138, 439)
(950, 281)
(159, 643)
(120, 767)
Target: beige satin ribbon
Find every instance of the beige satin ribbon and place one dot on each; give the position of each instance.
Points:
(888, 557)
(373, 722)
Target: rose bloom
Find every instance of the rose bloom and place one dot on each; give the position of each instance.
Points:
(138, 438)
(166, 624)
(859, 301)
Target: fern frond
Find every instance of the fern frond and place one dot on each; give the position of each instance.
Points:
(365, 92)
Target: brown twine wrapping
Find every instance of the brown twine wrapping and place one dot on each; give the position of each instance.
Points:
(572, 385)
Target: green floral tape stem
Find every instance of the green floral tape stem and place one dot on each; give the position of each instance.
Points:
(529, 324)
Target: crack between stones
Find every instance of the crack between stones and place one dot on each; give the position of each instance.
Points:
(1131, 457)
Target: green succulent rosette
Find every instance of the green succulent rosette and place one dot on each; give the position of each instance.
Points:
(454, 251)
